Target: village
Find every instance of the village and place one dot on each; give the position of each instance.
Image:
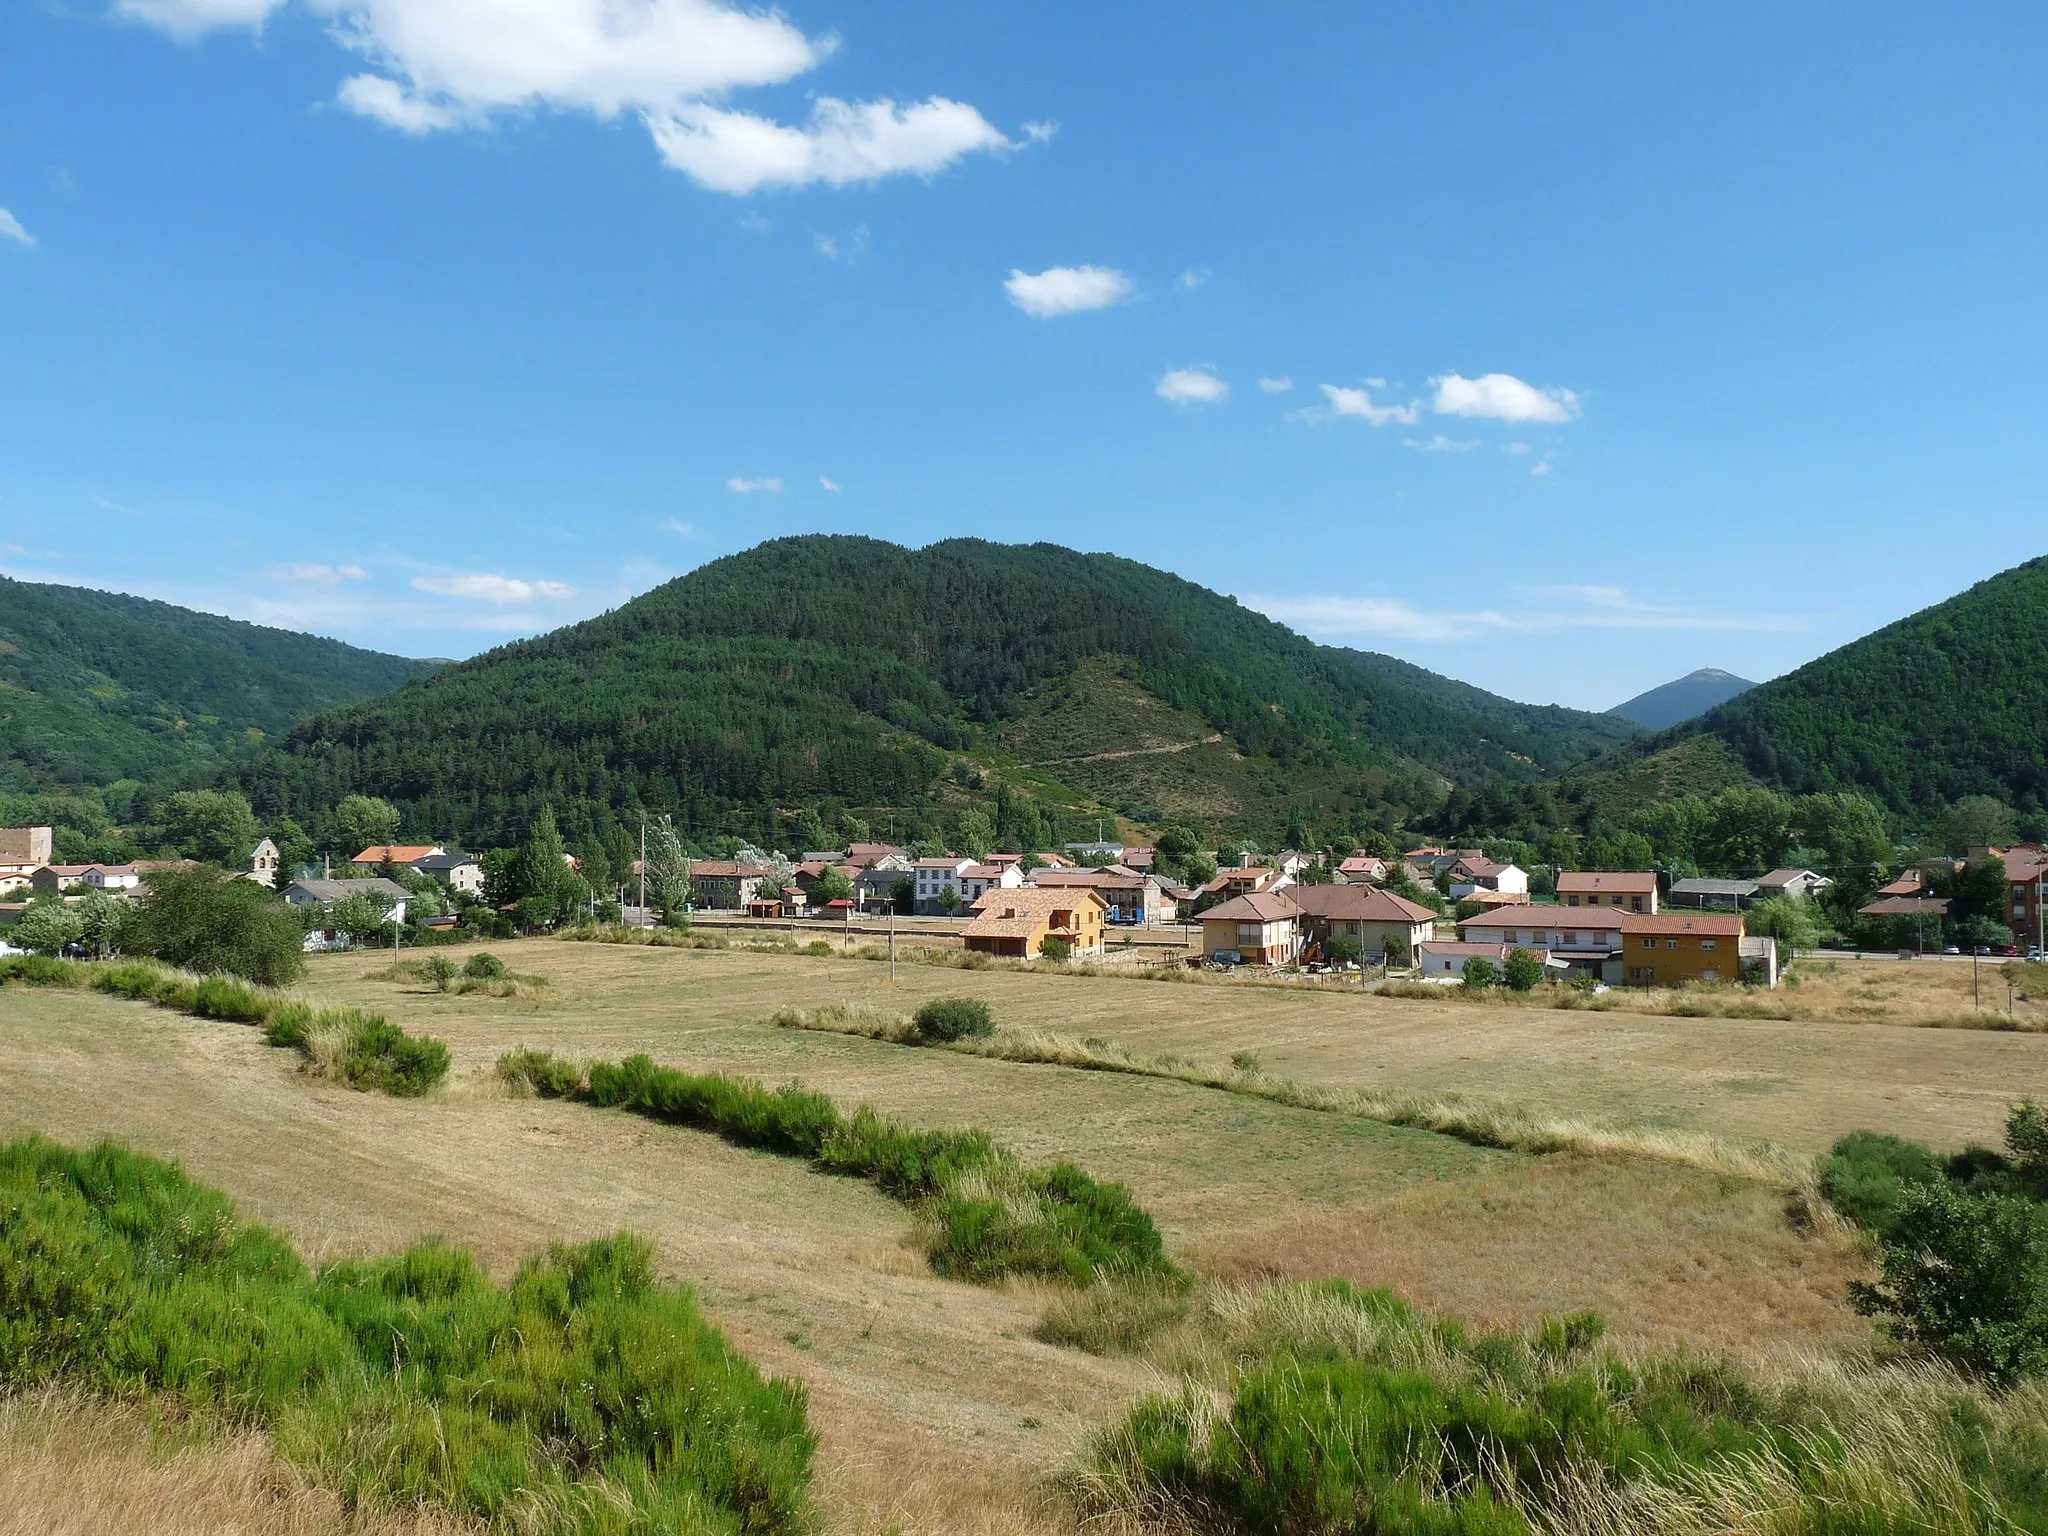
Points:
(1434, 914)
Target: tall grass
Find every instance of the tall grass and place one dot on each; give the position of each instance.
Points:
(985, 1213)
(1505, 1126)
(581, 1398)
(1323, 1408)
(364, 1050)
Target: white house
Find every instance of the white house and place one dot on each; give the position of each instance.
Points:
(457, 871)
(1474, 873)
(932, 878)
(977, 880)
(1441, 957)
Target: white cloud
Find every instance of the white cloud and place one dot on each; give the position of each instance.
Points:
(1375, 383)
(1191, 279)
(748, 487)
(1441, 444)
(1358, 403)
(1192, 386)
(1540, 469)
(189, 18)
(441, 64)
(844, 142)
(393, 105)
(1502, 397)
(1556, 610)
(1514, 448)
(1066, 290)
(1041, 133)
(1377, 616)
(685, 530)
(320, 575)
(853, 248)
(1278, 386)
(492, 589)
(830, 485)
(10, 229)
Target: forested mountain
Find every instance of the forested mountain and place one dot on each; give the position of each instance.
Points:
(1952, 701)
(848, 678)
(96, 687)
(1549, 735)
(1676, 702)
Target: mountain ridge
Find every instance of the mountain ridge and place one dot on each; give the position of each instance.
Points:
(1682, 698)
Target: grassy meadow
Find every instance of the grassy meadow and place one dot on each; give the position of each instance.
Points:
(937, 1405)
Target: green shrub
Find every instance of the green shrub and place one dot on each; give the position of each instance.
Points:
(946, 1019)
(229, 998)
(438, 971)
(1521, 971)
(582, 1388)
(41, 971)
(1966, 1275)
(1480, 973)
(987, 1214)
(540, 1073)
(376, 1053)
(483, 967)
(1055, 949)
(1867, 1175)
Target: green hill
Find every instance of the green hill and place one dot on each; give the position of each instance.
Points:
(1676, 702)
(96, 687)
(846, 678)
(1952, 701)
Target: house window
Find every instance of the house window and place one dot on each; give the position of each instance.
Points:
(1250, 936)
(1710, 975)
(1652, 944)
(1635, 902)
(1572, 901)
(1671, 943)
(1706, 943)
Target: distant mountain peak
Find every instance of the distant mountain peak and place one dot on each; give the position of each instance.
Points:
(1678, 701)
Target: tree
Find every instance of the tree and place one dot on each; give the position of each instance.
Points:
(1980, 932)
(439, 970)
(1522, 971)
(1792, 920)
(294, 848)
(949, 898)
(48, 927)
(1967, 1276)
(1480, 973)
(667, 868)
(101, 917)
(212, 825)
(1975, 821)
(202, 919)
(903, 896)
(499, 866)
(360, 917)
(831, 885)
(539, 869)
(359, 822)
(1396, 949)
(1344, 950)
(976, 834)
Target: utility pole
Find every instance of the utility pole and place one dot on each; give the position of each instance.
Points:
(643, 867)
(1976, 981)
(892, 942)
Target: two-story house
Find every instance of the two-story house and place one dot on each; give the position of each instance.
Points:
(1631, 890)
(932, 879)
(1475, 873)
(1017, 921)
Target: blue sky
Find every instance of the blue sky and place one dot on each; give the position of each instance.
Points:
(1616, 341)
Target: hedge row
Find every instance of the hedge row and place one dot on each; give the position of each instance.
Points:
(364, 1050)
(989, 1214)
(582, 1398)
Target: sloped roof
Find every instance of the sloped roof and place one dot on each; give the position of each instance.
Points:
(1253, 907)
(1673, 924)
(1582, 882)
(1356, 904)
(1906, 906)
(394, 853)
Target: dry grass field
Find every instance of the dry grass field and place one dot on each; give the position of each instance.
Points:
(937, 1408)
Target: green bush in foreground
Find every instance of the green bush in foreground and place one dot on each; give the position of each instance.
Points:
(946, 1019)
(987, 1214)
(581, 1398)
(1349, 1413)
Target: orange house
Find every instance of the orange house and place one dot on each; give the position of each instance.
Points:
(1676, 947)
(1016, 922)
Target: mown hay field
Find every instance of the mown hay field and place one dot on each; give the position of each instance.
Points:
(936, 1406)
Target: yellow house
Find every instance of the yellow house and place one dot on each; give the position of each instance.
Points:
(1017, 922)
(1676, 947)
(1262, 928)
